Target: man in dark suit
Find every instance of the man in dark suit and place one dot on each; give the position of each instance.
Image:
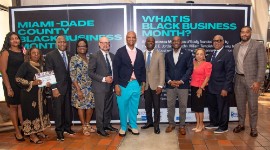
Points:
(100, 70)
(178, 69)
(220, 85)
(250, 59)
(155, 78)
(58, 61)
(129, 79)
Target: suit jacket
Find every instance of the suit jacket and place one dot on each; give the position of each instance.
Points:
(122, 67)
(180, 71)
(97, 70)
(55, 62)
(223, 70)
(254, 61)
(155, 74)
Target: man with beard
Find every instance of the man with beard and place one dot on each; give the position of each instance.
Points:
(155, 76)
(250, 60)
(100, 70)
(178, 69)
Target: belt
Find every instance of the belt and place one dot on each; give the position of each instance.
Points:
(131, 79)
(240, 74)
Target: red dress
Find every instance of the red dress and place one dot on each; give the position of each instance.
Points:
(197, 78)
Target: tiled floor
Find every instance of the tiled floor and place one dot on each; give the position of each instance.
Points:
(147, 140)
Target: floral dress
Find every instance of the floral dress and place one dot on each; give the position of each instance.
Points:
(79, 72)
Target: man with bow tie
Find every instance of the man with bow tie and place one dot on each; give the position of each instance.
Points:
(178, 69)
(220, 85)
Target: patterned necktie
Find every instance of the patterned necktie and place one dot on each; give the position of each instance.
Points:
(148, 60)
(108, 65)
(214, 55)
(65, 59)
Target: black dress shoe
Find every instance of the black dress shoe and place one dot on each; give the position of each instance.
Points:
(70, 132)
(102, 133)
(110, 128)
(147, 125)
(253, 133)
(238, 129)
(59, 136)
(134, 133)
(157, 130)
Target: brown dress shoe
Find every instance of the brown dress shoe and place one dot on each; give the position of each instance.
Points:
(182, 130)
(253, 132)
(170, 128)
(238, 129)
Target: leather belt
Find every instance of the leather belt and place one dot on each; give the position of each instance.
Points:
(240, 74)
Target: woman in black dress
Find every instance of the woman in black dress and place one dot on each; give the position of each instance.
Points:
(11, 58)
(34, 104)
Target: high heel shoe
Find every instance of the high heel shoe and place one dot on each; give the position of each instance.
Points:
(36, 142)
(199, 129)
(194, 129)
(19, 139)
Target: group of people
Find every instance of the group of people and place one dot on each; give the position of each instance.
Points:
(90, 81)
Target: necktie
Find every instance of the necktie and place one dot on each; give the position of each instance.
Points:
(148, 60)
(108, 65)
(214, 55)
(64, 59)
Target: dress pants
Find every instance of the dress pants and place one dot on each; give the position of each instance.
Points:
(103, 108)
(151, 98)
(218, 107)
(62, 112)
(172, 95)
(244, 94)
(128, 104)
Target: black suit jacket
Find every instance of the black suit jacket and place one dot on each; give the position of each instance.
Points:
(122, 67)
(97, 70)
(180, 71)
(223, 70)
(55, 62)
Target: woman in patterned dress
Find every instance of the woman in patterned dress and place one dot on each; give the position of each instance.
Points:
(82, 96)
(11, 58)
(34, 104)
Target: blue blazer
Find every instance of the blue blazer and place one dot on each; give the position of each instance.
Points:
(180, 71)
(223, 70)
(122, 67)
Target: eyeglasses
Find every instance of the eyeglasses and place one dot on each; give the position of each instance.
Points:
(217, 41)
(82, 46)
(105, 43)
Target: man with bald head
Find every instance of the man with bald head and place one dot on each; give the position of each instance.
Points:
(58, 61)
(129, 80)
(220, 85)
(178, 69)
(100, 70)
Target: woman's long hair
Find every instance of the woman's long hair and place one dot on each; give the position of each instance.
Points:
(7, 45)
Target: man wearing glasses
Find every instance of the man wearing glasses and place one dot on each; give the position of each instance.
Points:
(220, 85)
(100, 70)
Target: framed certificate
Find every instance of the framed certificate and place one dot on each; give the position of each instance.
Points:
(47, 76)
